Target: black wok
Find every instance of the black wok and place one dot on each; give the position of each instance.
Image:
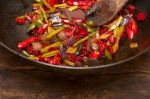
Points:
(11, 34)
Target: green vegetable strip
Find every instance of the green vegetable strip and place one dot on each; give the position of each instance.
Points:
(108, 54)
(44, 14)
(67, 62)
(50, 54)
(56, 44)
(50, 35)
(84, 39)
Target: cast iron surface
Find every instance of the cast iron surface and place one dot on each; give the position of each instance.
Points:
(11, 34)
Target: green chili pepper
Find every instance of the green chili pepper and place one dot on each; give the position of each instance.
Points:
(43, 12)
(50, 35)
(84, 39)
(108, 54)
(25, 53)
(50, 54)
(31, 27)
(67, 62)
(45, 49)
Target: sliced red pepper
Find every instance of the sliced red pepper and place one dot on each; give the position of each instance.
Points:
(27, 42)
(56, 59)
(94, 55)
(52, 2)
(20, 20)
(141, 16)
(130, 33)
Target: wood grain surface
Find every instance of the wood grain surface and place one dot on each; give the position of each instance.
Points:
(20, 79)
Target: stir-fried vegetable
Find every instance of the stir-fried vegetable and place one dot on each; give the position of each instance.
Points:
(56, 38)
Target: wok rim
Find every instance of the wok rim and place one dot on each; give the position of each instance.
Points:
(75, 68)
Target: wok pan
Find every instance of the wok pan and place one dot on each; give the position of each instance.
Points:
(11, 34)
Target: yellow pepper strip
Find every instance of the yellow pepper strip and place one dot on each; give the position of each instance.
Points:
(50, 54)
(118, 32)
(72, 8)
(45, 49)
(133, 45)
(44, 14)
(115, 23)
(33, 57)
(52, 9)
(84, 39)
(104, 36)
(72, 50)
(50, 35)
(50, 29)
(67, 62)
(25, 53)
(63, 5)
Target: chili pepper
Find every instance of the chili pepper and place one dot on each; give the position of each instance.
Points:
(131, 8)
(50, 35)
(45, 49)
(52, 9)
(28, 18)
(71, 31)
(51, 2)
(56, 60)
(94, 55)
(83, 39)
(72, 58)
(80, 2)
(141, 16)
(20, 20)
(42, 30)
(50, 54)
(31, 27)
(133, 25)
(129, 32)
(27, 42)
(131, 29)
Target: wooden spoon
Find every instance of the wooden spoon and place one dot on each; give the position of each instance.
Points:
(104, 10)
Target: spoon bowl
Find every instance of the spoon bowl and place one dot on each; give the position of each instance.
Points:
(104, 10)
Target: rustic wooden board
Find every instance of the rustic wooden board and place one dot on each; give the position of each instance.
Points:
(20, 79)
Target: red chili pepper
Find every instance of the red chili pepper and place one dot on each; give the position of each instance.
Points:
(72, 58)
(94, 55)
(56, 59)
(28, 18)
(71, 31)
(27, 42)
(80, 2)
(141, 16)
(131, 8)
(131, 29)
(51, 2)
(130, 33)
(42, 30)
(20, 20)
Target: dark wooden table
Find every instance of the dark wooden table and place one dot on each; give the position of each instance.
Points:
(20, 79)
